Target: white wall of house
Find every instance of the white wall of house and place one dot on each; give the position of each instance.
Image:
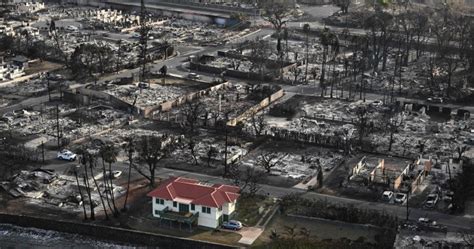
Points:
(207, 220)
(158, 207)
(229, 208)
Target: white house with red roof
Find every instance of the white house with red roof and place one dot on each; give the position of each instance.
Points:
(188, 200)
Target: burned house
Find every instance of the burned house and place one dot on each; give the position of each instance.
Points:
(390, 173)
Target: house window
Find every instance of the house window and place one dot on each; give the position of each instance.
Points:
(206, 210)
(160, 201)
(175, 204)
(157, 212)
(193, 207)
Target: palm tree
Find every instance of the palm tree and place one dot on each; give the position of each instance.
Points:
(306, 29)
(92, 164)
(84, 160)
(130, 148)
(327, 39)
(325, 42)
(110, 154)
(103, 155)
(80, 193)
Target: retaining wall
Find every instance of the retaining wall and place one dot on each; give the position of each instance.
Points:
(83, 95)
(108, 233)
(256, 108)
(168, 105)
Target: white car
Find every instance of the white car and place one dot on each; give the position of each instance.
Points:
(426, 221)
(400, 197)
(67, 155)
(72, 28)
(144, 85)
(387, 195)
(431, 200)
(115, 174)
(194, 76)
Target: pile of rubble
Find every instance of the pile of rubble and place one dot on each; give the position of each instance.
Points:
(420, 134)
(223, 104)
(300, 164)
(145, 97)
(45, 121)
(46, 187)
(202, 148)
(183, 31)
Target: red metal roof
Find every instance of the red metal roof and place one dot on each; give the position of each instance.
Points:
(206, 195)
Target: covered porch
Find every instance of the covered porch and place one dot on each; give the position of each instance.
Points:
(187, 218)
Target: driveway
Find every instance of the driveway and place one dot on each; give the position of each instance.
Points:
(249, 234)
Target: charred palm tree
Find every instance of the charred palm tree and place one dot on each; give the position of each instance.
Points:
(110, 158)
(84, 160)
(80, 193)
(130, 148)
(92, 164)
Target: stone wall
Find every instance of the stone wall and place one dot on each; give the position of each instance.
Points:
(109, 233)
(168, 105)
(256, 108)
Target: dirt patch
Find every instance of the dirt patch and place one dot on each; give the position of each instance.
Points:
(43, 66)
(319, 229)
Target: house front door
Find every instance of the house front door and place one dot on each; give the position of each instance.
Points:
(183, 208)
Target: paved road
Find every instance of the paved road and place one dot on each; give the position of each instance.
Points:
(451, 221)
(174, 63)
(28, 103)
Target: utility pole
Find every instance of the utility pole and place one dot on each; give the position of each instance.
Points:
(408, 198)
(57, 125)
(42, 151)
(49, 89)
(144, 29)
(225, 151)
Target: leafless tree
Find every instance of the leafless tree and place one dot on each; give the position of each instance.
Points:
(258, 124)
(57, 38)
(192, 149)
(343, 4)
(247, 179)
(193, 110)
(211, 154)
(378, 24)
(460, 150)
(362, 122)
(235, 64)
(261, 51)
(468, 238)
(151, 150)
(393, 120)
(270, 160)
(296, 71)
(277, 14)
